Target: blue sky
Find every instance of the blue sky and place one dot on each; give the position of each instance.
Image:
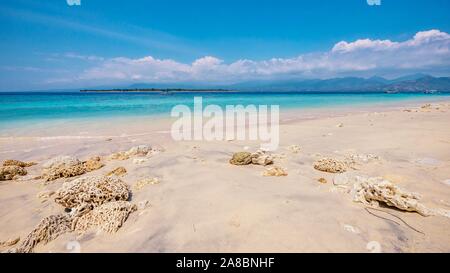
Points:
(49, 44)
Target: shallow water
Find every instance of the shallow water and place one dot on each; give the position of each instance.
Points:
(26, 108)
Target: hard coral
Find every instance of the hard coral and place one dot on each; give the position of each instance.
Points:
(109, 217)
(331, 165)
(11, 172)
(241, 158)
(93, 190)
(372, 190)
(47, 230)
(12, 162)
(62, 166)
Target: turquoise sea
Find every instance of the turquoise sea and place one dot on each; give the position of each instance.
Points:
(18, 108)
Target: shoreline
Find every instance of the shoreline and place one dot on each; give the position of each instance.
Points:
(161, 119)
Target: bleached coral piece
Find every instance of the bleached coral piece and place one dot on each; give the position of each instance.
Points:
(92, 190)
(61, 161)
(241, 158)
(12, 162)
(108, 217)
(331, 165)
(11, 172)
(261, 158)
(62, 166)
(66, 166)
(47, 230)
(372, 190)
(93, 201)
(246, 158)
(275, 171)
(140, 150)
(93, 164)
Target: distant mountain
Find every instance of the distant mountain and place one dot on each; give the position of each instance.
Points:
(413, 83)
(328, 85)
(409, 83)
(380, 79)
(426, 83)
(411, 77)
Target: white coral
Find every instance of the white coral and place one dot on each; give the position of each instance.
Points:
(331, 165)
(109, 217)
(261, 158)
(62, 166)
(92, 190)
(371, 190)
(61, 161)
(47, 230)
(93, 201)
(140, 150)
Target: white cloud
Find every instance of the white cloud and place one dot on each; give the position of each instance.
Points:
(427, 51)
(206, 62)
(364, 44)
(430, 36)
(423, 38)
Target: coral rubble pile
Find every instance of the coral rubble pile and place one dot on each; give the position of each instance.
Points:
(241, 158)
(66, 166)
(12, 162)
(47, 230)
(246, 158)
(94, 201)
(108, 217)
(93, 164)
(11, 169)
(331, 165)
(11, 172)
(261, 158)
(141, 150)
(62, 166)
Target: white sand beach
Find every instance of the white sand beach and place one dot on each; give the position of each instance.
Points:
(202, 203)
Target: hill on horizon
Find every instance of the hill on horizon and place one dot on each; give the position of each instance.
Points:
(409, 83)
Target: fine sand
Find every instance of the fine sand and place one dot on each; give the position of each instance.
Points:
(205, 204)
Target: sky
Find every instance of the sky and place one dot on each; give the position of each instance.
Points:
(57, 44)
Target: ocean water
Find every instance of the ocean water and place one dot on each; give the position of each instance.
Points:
(24, 108)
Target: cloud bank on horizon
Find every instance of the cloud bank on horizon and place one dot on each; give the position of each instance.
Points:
(426, 52)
